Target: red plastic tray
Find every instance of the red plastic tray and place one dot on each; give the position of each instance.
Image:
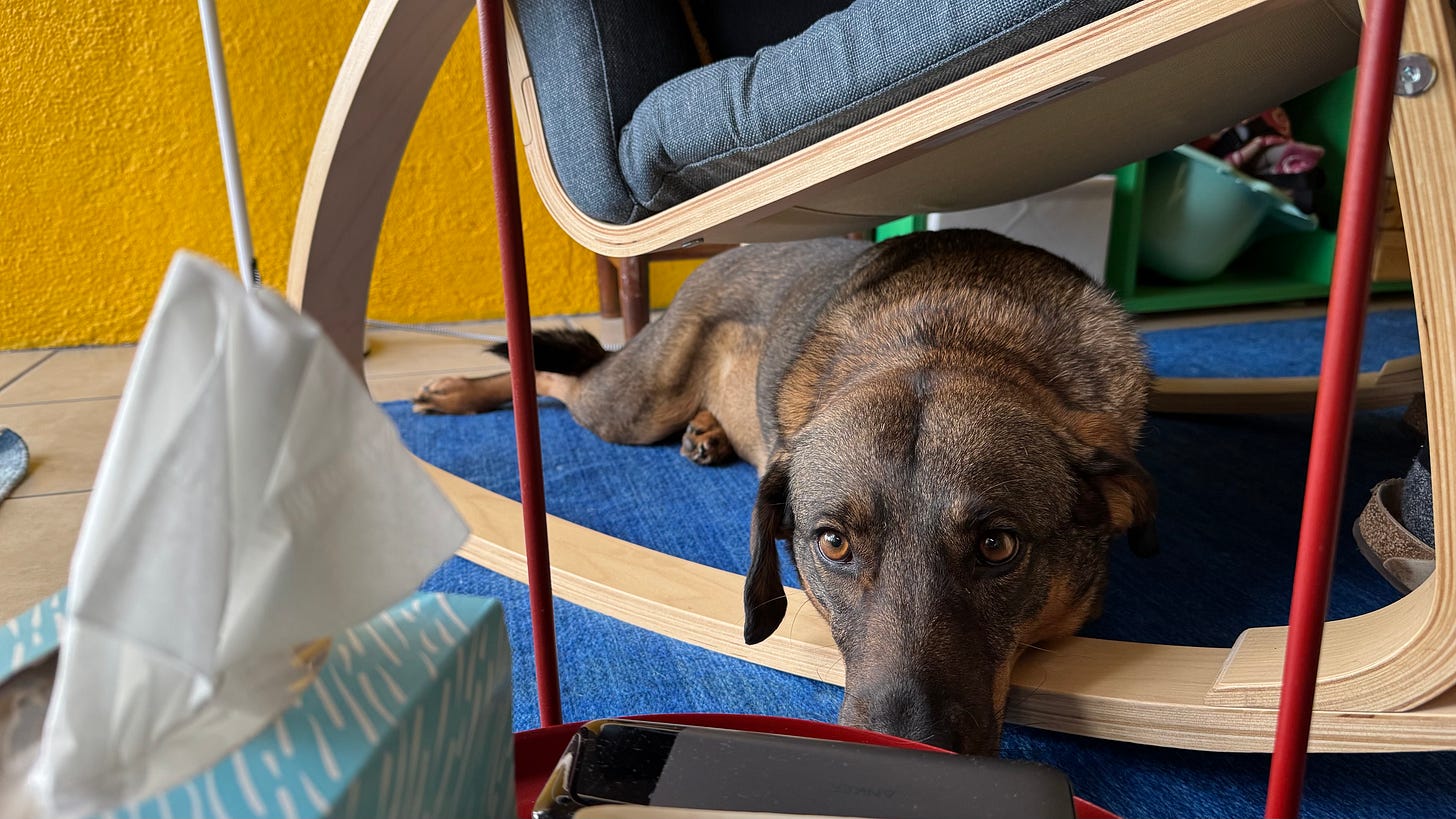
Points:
(537, 751)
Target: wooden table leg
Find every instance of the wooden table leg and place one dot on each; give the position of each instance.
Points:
(608, 297)
(635, 286)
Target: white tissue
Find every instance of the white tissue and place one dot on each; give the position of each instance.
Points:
(251, 498)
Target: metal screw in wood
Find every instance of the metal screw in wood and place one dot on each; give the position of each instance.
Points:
(1414, 75)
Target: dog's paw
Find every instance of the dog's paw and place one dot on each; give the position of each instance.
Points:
(705, 442)
(451, 395)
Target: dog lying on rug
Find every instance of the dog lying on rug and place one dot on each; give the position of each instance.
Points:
(944, 428)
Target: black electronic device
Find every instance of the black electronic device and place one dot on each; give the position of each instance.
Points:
(655, 765)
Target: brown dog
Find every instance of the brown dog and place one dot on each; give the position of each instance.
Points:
(943, 425)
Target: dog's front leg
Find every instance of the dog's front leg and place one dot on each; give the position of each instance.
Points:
(704, 442)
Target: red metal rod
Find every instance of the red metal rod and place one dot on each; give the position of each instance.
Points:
(523, 363)
(1334, 405)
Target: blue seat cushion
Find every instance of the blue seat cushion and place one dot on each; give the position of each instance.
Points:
(717, 122)
(592, 62)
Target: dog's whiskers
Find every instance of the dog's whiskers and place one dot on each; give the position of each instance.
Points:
(1012, 697)
(758, 606)
(824, 670)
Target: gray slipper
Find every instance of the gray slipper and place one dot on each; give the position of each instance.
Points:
(14, 460)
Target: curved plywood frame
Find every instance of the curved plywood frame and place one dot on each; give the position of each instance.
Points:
(1134, 692)
(1119, 72)
(1403, 657)
(1395, 384)
(392, 61)
(1410, 656)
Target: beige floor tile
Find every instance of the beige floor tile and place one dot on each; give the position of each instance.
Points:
(65, 441)
(90, 372)
(401, 387)
(13, 364)
(395, 352)
(37, 536)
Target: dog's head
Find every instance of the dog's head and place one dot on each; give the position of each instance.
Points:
(941, 523)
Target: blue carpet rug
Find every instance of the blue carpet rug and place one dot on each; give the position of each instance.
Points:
(1230, 490)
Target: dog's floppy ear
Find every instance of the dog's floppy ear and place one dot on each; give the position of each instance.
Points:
(764, 603)
(1122, 494)
(1129, 497)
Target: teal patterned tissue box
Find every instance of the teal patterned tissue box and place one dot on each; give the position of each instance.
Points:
(409, 717)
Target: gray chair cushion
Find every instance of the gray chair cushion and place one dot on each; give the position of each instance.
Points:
(739, 28)
(715, 123)
(592, 62)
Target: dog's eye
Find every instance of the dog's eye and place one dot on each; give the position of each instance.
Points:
(998, 548)
(834, 546)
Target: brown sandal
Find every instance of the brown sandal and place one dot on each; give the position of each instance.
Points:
(1401, 558)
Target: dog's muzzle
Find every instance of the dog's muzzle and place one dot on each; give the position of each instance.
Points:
(904, 707)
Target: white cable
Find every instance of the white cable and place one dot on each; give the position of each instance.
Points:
(227, 140)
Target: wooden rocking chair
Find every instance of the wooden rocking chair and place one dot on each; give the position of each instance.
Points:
(1149, 76)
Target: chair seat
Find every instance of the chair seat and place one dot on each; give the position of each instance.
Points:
(653, 129)
(718, 122)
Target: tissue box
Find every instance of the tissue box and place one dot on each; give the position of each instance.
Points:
(410, 716)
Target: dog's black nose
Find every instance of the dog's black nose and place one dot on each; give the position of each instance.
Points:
(902, 708)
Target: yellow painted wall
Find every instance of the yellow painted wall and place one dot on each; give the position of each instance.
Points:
(109, 162)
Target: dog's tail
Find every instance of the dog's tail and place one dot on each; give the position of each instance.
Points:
(568, 352)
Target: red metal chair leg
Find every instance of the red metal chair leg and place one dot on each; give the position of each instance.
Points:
(1334, 405)
(523, 365)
